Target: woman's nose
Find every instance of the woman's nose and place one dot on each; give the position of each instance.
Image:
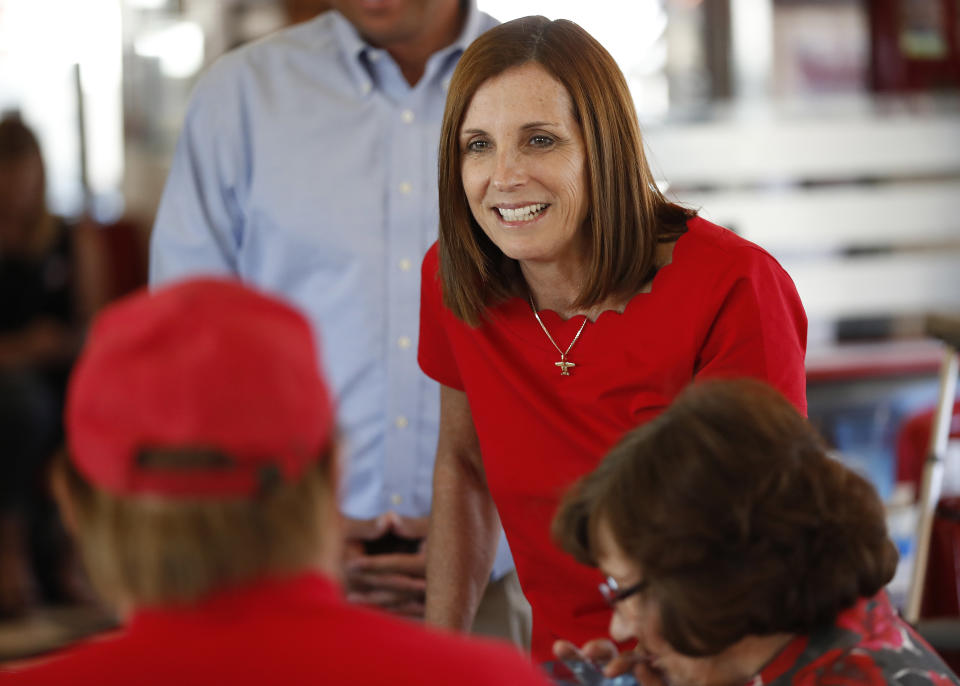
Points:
(509, 172)
(620, 628)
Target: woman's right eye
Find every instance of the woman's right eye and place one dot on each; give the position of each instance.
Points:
(477, 146)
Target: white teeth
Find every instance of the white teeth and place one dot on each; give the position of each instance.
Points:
(521, 214)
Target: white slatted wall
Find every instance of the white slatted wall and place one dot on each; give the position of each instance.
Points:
(861, 207)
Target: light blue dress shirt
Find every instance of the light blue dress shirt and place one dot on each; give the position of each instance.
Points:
(307, 166)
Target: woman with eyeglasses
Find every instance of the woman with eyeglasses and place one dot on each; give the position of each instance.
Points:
(566, 302)
(737, 552)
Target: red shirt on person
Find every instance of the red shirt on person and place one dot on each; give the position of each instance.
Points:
(722, 307)
(293, 632)
(867, 645)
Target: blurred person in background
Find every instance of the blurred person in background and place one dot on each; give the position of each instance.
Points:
(737, 551)
(200, 480)
(566, 302)
(307, 166)
(46, 290)
(304, 10)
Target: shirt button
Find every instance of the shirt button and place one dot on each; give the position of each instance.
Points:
(405, 188)
(404, 342)
(366, 87)
(374, 55)
(407, 116)
(405, 264)
(396, 499)
(401, 422)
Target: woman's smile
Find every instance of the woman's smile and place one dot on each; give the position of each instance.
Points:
(521, 214)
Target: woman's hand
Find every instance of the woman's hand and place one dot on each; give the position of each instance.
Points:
(603, 653)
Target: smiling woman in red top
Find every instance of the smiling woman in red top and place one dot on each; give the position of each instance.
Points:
(565, 303)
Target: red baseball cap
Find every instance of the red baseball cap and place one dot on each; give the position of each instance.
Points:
(204, 366)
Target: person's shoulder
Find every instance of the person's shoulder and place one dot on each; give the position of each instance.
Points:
(487, 22)
(710, 237)
(83, 664)
(354, 645)
(430, 267)
(869, 644)
(490, 662)
(477, 23)
(422, 655)
(497, 663)
(839, 665)
(431, 261)
(872, 666)
(267, 74)
(311, 40)
(713, 251)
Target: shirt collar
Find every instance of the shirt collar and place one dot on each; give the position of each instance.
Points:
(354, 48)
(444, 60)
(349, 40)
(351, 47)
(473, 26)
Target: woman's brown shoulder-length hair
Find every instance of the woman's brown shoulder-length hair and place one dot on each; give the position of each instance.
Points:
(736, 515)
(627, 213)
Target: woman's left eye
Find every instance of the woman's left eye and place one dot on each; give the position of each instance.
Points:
(541, 141)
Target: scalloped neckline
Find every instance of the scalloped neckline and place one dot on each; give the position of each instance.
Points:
(658, 277)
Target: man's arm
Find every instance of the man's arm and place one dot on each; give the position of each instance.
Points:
(199, 220)
(464, 526)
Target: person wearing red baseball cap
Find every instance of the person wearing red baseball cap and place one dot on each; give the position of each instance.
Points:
(200, 482)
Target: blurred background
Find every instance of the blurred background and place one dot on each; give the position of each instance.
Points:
(828, 131)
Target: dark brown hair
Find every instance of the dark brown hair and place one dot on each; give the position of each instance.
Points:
(153, 550)
(17, 140)
(738, 518)
(627, 213)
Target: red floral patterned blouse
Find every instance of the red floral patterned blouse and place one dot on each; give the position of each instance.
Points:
(868, 645)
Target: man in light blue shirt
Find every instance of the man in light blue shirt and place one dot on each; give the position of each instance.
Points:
(307, 167)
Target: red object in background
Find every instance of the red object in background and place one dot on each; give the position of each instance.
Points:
(913, 440)
(125, 253)
(941, 597)
(914, 45)
(941, 590)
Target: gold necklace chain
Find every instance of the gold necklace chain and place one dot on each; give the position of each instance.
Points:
(563, 364)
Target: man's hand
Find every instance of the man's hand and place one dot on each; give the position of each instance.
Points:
(396, 581)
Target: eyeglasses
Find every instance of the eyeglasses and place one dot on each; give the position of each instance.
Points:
(613, 594)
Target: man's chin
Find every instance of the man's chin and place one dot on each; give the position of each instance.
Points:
(384, 31)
